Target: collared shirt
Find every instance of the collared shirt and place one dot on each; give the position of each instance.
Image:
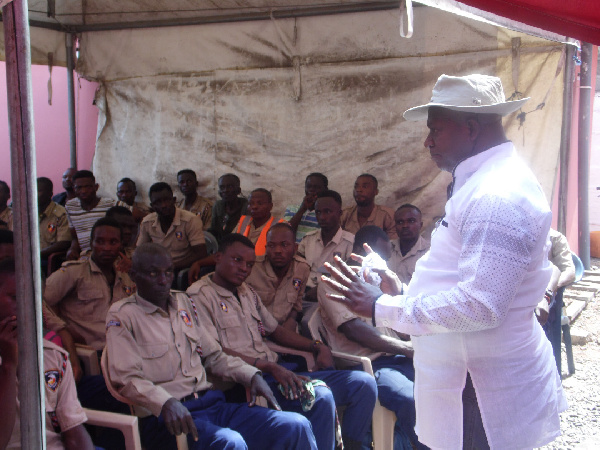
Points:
(60, 199)
(311, 248)
(280, 297)
(202, 207)
(381, 216)
(63, 410)
(470, 307)
(307, 224)
(560, 253)
(238, 325)
(185, 232)
(223, 223)
(7, 216)
(54, 226)
(142, 207)
(404, 266)
(83, 296)
(333, 315)
(154, 355)
(83, 221)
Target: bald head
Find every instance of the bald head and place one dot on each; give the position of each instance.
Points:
(145, 252)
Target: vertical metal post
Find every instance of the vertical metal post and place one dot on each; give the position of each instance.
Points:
(71, 99)
(584, 136)
(565, 138)
(27, 253)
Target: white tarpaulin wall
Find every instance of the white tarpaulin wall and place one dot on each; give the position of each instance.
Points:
(274, 100)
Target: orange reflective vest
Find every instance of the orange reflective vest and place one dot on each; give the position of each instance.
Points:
(260, 246)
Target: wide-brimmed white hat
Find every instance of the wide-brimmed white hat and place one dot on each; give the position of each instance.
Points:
(472, 93)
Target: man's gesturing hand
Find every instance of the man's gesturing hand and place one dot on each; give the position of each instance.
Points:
(178, 419)
(357, 295)
(258, 386)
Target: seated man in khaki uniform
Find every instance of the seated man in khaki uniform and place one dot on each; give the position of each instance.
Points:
(235, 316)
(191, 201)
(390, 355)
(55, 235)
(410, 245)
(157, 350)
(177, 230)
(81, 293)
(280, 276)
(320, 246)
(64, 415)
(366, 212)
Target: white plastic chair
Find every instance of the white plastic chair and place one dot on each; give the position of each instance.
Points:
(136, 410)
(383, 419)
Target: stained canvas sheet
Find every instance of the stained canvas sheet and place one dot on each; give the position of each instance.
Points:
(274, 101)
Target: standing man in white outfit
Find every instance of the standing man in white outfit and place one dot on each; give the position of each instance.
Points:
(485, 375)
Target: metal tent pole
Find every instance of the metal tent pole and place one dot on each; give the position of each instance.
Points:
(27, 253)
(584, 136)
(71, 98)
(565, 139)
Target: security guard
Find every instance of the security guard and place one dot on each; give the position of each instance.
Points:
(55, 235)
(157, 351)
(279, 278)
(234, 315)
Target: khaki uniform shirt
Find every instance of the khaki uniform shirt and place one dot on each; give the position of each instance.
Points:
(381, 216)
(404, 266)
(280, 297)
(185, 232)
(54, 226)
(154, 355)
(142, 207)
(238, 325)
(63, 410)
(201, 207)
(311, 248)
(82, 296)
(7, 216)
(334, 314)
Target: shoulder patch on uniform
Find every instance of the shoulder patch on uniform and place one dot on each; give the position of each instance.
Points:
(185, 316)
(223, 307)
(339, 254)
(297, 282)
(179, 235)
(129, 290)
(113, 323)
(51, 227)
(53, 378)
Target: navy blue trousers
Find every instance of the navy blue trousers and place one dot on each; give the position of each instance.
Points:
(236, 426)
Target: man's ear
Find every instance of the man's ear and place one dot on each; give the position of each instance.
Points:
(474, 128)
(97, 186)
(218, 257)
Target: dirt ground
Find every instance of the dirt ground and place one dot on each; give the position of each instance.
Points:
(580, 423)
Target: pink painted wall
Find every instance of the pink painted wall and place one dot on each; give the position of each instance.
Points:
(572, 188)
(52, 124)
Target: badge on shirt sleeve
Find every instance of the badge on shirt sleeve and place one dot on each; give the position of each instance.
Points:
(199, 350)
(223, 307)
(52, 378)
(113, 323)
(185, 317)
(297, 282)
(129, 290)
(337, 254)
(179, 235)
(51, 228)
